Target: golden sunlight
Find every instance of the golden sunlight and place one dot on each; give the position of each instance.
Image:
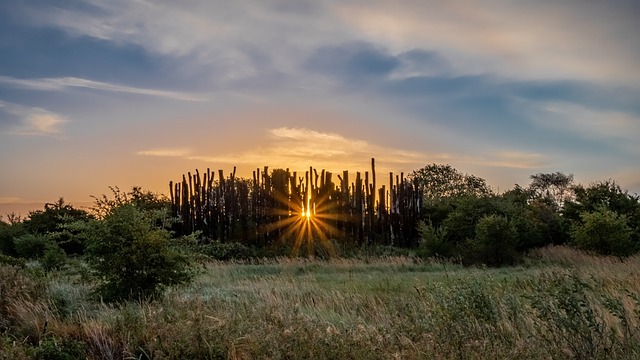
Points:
(306, 211)
(309, 231)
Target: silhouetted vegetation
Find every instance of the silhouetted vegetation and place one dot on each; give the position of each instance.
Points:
(435, 211)
(57, 221)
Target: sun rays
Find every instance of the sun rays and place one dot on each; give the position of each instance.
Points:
(307, 225)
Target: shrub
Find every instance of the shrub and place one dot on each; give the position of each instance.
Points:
(432, 243)
(494, 244)
(60, 349)
(605, 232)
(226, 251)
(460, 224)
(31, 246)
(8, 233)
(10, 260)
(60, 221)
(133, 257)
(53, 258)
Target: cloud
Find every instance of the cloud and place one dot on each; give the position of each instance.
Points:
(166, 152)
(520, 39)
(628, 179)
(515, 160)
(355, 61)
(54, 84)
(33, 121)
(301, 146)
(15, 200)
(298, 148)
(621, 127)
(232, 41)
(525, 39)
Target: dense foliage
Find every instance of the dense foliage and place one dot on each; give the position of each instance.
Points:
(605, 232)
(132, 256)
(479, 227)
(59, 222)
(443, 181)
(128, 240)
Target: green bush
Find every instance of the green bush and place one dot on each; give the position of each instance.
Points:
(8, 233)
(432, 243)
(62, 223)
(539, 224)
(226, 251)
(460, 224)
(494, 243)
(10, 260)
(605, 232)
(53, 258)
(31, 246)
(60, 349)
(133, 257)
(41, 247)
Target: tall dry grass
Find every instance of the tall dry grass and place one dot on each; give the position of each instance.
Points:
(561, 304)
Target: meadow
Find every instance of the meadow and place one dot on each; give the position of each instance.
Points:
(558, 303)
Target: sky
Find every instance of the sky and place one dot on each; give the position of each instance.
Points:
(137, 92)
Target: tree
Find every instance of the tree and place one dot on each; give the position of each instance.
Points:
(553, 187)
(494, 243)
(58, 221)
(605, 232)
(605, 195)
(132, 256)
(8, 233)
(460, 224)
(438, 181)
(538, 221)
(32, 246)
(142, 199)
(432, 242)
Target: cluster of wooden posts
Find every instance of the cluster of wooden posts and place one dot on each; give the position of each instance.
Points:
(270, 206)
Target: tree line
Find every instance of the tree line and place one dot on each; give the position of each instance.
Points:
(139, 242)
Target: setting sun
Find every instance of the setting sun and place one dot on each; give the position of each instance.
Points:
(306, 211)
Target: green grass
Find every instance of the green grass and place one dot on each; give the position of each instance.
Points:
(559, 304)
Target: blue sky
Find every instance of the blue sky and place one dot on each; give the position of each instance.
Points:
(98, 93)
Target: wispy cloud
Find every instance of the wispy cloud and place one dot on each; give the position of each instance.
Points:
(56, 84)
(16, 200)
(514, 160)
(507, 38)
(33, 121)
(299, 148)
(199, 34)
(617, 127)
(166, 152)
(497, 38)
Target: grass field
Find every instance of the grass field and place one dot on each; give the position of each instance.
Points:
(559, 304)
